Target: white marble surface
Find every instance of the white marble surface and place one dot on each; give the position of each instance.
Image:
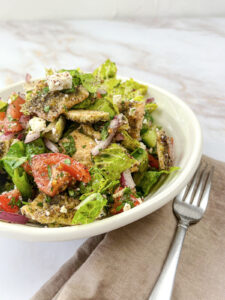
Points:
(184, 56)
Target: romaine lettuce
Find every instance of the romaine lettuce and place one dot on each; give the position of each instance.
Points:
(35, 147)
(89, 209)
(113, 160)
(98, 184)
(21, 181)
(151, 177)
(107, 70)
(103, 104)
(15, 157)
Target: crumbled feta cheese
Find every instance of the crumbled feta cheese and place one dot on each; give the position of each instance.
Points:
(37, 124)
(9, 101)
(142, 145)
(145, 121)
(126, 207)
(47, 213)
(63, 209)
(53, 130)
(151, 150)
(59, 81)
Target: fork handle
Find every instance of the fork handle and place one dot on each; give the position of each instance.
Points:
(164, 285)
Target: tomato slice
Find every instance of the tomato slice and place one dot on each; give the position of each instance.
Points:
(2, 115)
(27, 167)
(153, 162)
(8, 200)
(13, 114)
(54, 171)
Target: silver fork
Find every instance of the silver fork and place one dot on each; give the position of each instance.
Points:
(189, 207)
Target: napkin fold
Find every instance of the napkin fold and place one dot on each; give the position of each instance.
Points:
(125, 263)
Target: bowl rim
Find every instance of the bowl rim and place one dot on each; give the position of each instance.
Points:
(35, 233)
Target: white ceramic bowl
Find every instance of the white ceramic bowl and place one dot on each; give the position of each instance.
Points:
(180, 122)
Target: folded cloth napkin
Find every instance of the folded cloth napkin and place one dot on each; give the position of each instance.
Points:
(125, 263)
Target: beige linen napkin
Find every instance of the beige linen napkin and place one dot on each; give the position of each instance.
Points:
(125, 263)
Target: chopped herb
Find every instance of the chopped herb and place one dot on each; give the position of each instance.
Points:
(119, 207)
(71, 193)
(49, 172)
(69, 146)
(40, 204)
(46, 108)
(104, 131)
(61, 174)
(13, 202)
(45, 90)
(10, 118)
(84, 146)
(67, 161)
(48, 198)
(66, 109)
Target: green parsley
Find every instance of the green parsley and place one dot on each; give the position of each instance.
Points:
(84, 146)
(67, 161)
(49, 172)
(45, 90)
(48, 198)
(46, 108)
(69, 146)
(40, 204)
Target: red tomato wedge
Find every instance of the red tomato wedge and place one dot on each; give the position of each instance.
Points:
(54, 171)
(2, 117)
(153, 162)
(27, 167)
(8, 200)
(13, 114)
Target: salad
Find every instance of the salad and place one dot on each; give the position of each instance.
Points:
(76, 147)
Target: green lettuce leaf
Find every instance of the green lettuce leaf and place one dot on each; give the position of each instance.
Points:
(150, 178)
(128, 142)
(89, 209)
(21, 181)
(89, 82)
(103, 105)
(98, 184)
(107, 70)
(15, 157)
(113, 160)
(35, 147)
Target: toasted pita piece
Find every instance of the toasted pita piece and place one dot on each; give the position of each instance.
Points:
(164, 150)
(53, 104)
(83, 145)
(135, 116)
(89, 131)
(59, 210)
(87, 116)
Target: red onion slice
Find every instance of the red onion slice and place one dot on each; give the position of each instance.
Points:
(149, 100)
(28, 78)
(126, 179)
(32, 136)
(24, 121)
(114, 125)
(51, 146)
(6, 137)
(13, 218)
